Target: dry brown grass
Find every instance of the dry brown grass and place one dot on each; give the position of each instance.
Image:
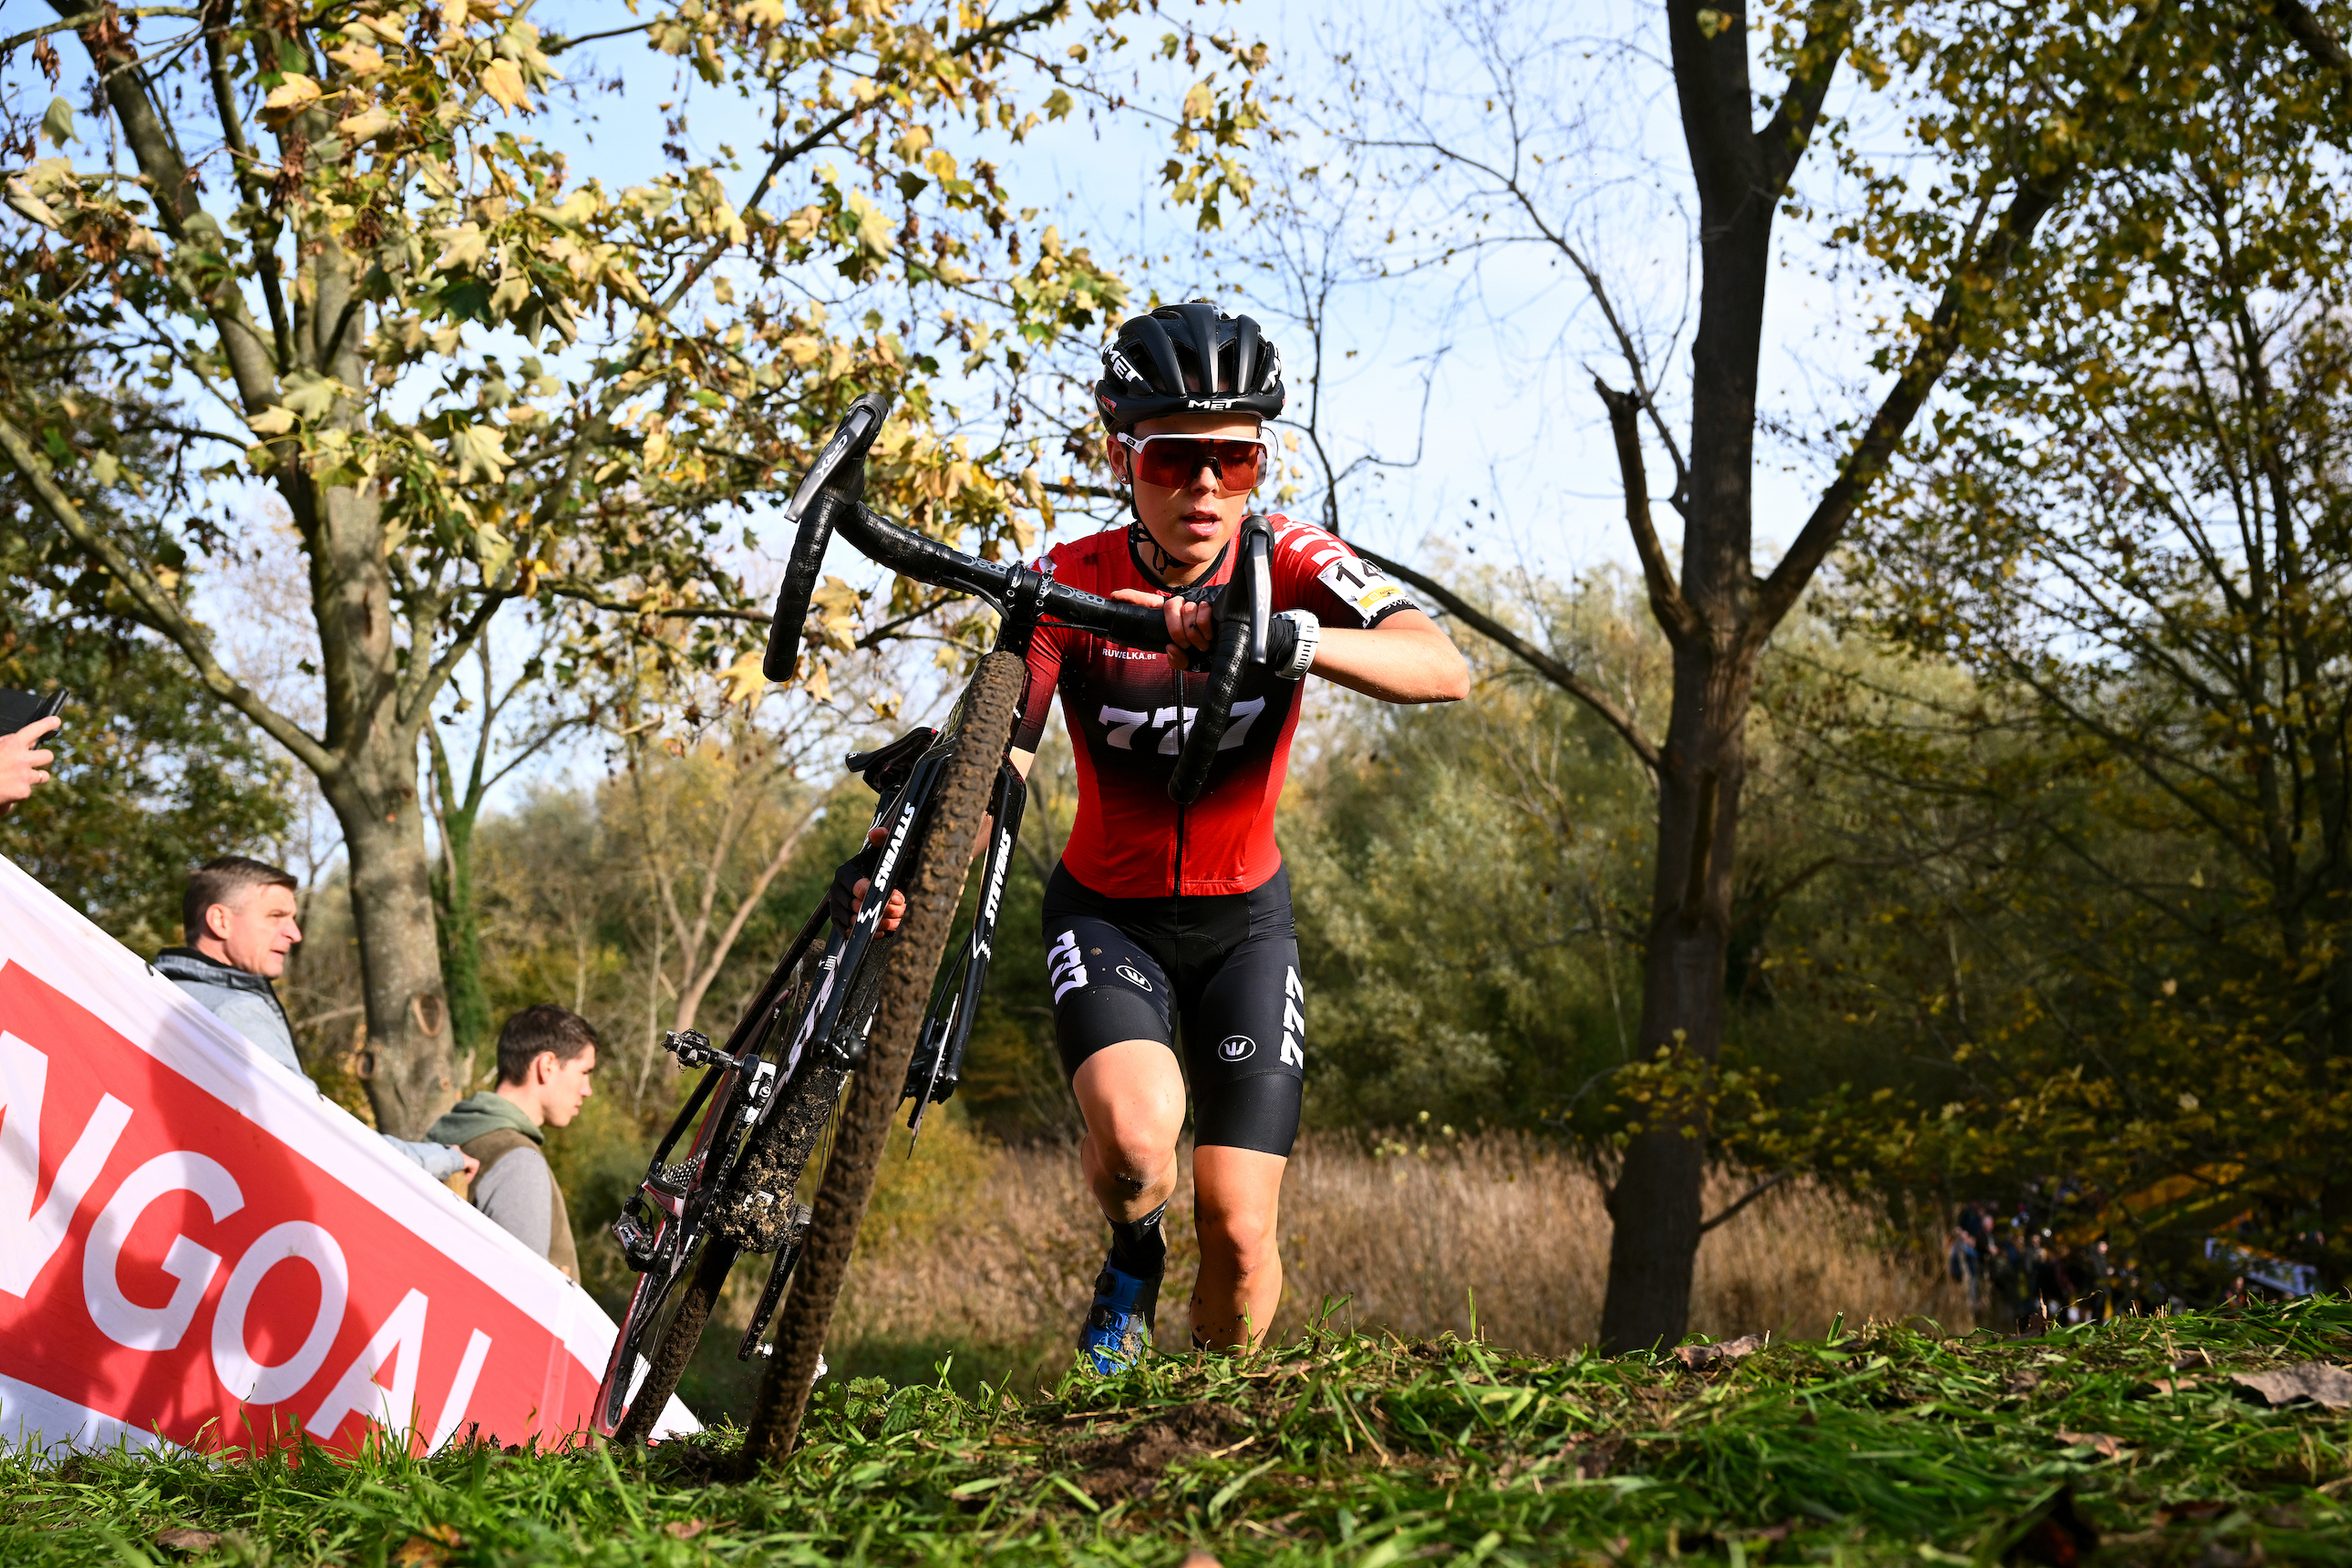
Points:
(971, 1244)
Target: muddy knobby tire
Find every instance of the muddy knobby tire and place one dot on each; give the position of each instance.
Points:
(668, 1362)
(933, 891)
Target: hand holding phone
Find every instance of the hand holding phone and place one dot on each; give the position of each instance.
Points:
(23, 760)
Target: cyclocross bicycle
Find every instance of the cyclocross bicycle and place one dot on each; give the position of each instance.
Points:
(853, 1022)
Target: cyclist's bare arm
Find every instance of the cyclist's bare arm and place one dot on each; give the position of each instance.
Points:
(1407, 657)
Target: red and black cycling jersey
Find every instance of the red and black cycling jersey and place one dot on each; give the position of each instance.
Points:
(1126, 709)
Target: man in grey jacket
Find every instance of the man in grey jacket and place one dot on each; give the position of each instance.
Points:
(240, 920)
(546, 1054)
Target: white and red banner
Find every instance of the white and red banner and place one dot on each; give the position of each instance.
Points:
(197, 1248)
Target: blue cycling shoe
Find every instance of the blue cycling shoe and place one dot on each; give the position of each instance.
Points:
(1118, 1325)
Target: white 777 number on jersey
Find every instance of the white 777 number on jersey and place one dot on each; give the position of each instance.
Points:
(1123, 722)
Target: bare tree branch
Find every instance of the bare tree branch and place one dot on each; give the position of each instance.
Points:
(1749, 1196)
(158, 609)
(556, 45)
(1542, 663)
(1675, 616)
(1871, 455)
(1782, 141)
(90, 18)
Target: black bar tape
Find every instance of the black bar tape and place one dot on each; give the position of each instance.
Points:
(1215, 712)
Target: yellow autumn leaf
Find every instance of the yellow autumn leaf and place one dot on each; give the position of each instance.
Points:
(835, 606)
(357, 58)
(275, 421)
(1199, 102)
(480, 453)
(744, 680)
(503, 81)
(293, 93)
(461, 247)
(365, 125)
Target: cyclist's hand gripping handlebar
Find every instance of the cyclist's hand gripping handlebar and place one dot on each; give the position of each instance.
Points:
(829, 498)
(1243, 614)
(833, 486)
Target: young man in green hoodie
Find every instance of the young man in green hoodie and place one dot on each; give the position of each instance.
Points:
(546, 1055)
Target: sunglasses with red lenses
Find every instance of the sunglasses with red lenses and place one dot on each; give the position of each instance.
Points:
(1173, 461)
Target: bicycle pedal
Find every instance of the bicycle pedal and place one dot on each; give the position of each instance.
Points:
(638, 1244)
(693, 1049)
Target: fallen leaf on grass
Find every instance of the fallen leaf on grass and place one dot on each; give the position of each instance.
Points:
(2107, 1443)
(1199, 1559)
(686, 1529)
(2174, 1384)
(2192, 1511)
(1697, 1356)
(1596, 1460)
(180, 1538)
(2057, 1537)
(2328, 1386)
(428, 1550)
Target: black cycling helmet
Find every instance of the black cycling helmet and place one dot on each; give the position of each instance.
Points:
(1155, 367)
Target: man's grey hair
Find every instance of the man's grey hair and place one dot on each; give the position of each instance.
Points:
(226, 880)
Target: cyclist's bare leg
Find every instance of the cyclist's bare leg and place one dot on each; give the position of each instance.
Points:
(1132, 1096)
(1237, 1198)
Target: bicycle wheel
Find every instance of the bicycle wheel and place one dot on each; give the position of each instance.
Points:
(749, 1208)
(933, 891)
(671, 1325)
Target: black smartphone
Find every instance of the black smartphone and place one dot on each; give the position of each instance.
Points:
(18, 708)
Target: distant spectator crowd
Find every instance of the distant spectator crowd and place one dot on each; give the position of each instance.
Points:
(2022, 1275)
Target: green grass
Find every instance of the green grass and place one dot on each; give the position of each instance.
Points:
(1886, 1446)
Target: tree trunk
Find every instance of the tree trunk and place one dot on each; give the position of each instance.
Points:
(374, 796)
(457, 924)
(411, 1079)
(1654, 1204)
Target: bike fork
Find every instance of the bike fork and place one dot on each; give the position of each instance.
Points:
(946, 1035)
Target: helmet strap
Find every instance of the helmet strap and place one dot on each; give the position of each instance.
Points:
(1138, 540)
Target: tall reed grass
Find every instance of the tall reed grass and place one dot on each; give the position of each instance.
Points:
(991, 1252)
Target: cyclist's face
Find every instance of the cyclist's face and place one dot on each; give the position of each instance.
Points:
(1192, 522)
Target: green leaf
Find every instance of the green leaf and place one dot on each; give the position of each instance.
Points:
(57, 124)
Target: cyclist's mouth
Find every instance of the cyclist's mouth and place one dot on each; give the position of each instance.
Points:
(1203, 524)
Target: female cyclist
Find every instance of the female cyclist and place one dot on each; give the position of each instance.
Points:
(1168, 929)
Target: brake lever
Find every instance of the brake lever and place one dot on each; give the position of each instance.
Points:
(1260, 557)
(1250, 591)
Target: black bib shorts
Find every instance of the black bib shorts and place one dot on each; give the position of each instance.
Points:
(1225, 964)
